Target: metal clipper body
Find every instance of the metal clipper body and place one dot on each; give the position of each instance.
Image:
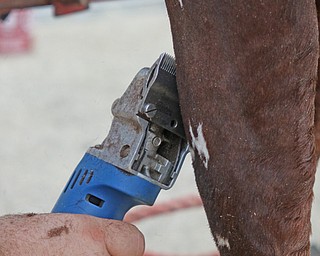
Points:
(142, 153)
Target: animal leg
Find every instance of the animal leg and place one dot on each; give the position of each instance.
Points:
(246, 73)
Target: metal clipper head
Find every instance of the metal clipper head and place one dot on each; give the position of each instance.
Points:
(161, 104)
(147, 138)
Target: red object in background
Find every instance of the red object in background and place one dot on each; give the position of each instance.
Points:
(69, 6)
(15, 33)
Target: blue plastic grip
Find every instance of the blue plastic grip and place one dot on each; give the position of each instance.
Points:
(100, 189)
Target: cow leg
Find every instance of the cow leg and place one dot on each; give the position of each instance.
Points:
(317, 100)
(316, 207)
(246, 73)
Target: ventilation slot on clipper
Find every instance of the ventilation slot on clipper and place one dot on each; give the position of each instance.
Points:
(66, 188)
(75, 180)
(85, 174)
(94, 200)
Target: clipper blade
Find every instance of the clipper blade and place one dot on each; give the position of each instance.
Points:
(168, 64)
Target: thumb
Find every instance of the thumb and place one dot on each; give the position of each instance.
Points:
(122, 239)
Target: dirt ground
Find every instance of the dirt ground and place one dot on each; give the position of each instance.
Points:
(55, 102)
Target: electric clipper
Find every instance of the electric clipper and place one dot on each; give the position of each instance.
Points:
(142, 154)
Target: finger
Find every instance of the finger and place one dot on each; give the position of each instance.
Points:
(122, 239)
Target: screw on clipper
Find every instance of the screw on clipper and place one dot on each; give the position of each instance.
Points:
(149, 110)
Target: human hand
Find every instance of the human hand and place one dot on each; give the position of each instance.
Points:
(68, 234)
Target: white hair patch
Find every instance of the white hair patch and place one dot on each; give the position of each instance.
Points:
(181, 3)
(222, 242)
(200, 144)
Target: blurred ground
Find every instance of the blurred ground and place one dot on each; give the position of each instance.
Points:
(55, 102)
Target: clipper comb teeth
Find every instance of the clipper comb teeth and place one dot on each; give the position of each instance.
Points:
(168, 64)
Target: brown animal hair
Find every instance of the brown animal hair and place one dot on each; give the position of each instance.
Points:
(246, 73)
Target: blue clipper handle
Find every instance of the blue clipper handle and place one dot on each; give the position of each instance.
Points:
(100, 189)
